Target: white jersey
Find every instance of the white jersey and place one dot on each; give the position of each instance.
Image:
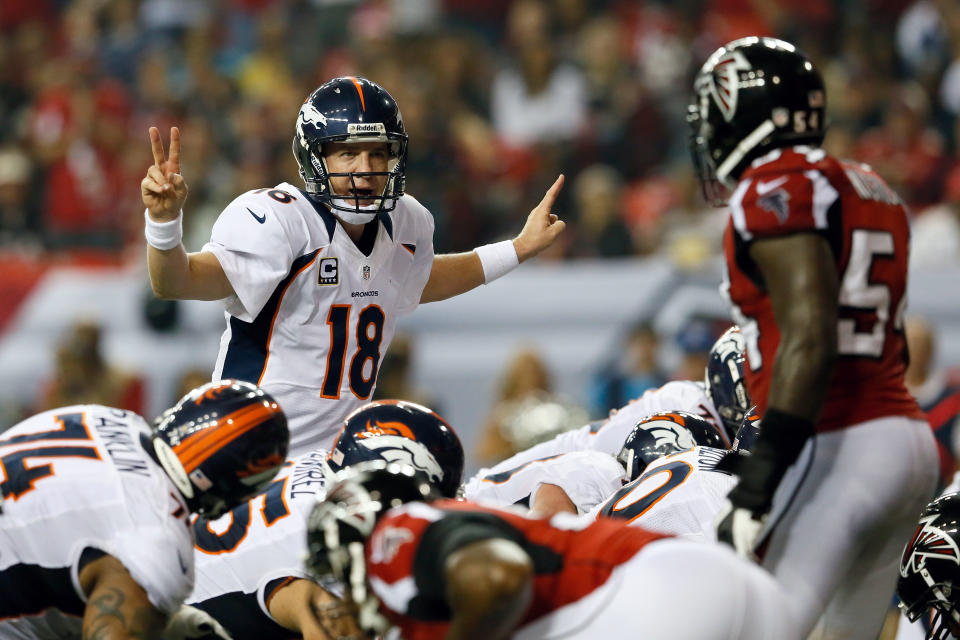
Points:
(312, 315)
(246, 555)
(78, 480)
(679, 494)
(608, 435)
(587, 477)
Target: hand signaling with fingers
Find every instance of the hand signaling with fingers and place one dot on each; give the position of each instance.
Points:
(164, 190)
(542, 227)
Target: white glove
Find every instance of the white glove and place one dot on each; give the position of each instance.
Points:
(190, 623)
(740, 529)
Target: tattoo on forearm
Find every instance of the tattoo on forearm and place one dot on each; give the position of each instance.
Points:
(109, 618)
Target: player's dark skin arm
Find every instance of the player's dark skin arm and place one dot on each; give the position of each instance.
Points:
(489, 588)
(801, 280)
(117, 607)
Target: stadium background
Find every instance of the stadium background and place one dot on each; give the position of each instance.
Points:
(498, 97)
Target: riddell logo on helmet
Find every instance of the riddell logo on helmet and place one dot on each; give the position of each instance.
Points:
(363, 128)
(387, 429)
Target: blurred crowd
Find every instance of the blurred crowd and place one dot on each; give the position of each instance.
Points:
(498, 96)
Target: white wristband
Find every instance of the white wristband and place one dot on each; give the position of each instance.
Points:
(163, 235)
(498, 259)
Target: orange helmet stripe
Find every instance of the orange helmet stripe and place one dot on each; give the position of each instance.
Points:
(196, 449)
(356, 83)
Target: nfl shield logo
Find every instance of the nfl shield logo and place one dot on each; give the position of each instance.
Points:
(366, 272)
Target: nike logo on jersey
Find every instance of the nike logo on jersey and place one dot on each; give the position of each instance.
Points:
(767, 187)
(260, 219)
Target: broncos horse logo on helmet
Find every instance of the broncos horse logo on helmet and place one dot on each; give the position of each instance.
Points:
(401, 432)
(930, 567)
(349, 110)
(752, 95)
(662, 434)
(220, 444)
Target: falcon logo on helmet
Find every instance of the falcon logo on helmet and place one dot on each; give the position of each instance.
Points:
(724, 83)
(928, 542)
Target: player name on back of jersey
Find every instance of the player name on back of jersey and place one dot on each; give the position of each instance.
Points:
(126, 453)
(308, 475)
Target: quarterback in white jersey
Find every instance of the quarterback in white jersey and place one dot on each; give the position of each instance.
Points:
(95, 507)
(311, 315)
(315, 279)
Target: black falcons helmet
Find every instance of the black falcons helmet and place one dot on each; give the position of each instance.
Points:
(750, 96)
(222, 443)
(726, 387)
(344, 518)
(402, 432)
(350, 109)
(662, 434)
(930, 566)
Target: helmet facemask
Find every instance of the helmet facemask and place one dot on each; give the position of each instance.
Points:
(317, 177)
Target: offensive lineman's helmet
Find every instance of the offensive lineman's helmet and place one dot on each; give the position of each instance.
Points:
(222, 443)
(930, 567)
(748, 433)
(751, 95)
(662, 434)
(350, 109)
(402, 432)
(726, 387)
(345, 516)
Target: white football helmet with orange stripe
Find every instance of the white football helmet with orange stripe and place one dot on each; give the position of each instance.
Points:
(220, 444)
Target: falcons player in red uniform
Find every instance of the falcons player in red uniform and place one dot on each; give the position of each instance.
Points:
(453, 569)
(816, 259)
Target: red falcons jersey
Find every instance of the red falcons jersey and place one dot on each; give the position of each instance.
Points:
(409, 546)
(804, 190)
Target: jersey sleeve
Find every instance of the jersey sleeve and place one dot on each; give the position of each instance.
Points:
(255, 247)
(782, 203)
(423, 256)
(587, 477)
(160, 561)
(515, 485)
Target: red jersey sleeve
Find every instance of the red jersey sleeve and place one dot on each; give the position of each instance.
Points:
(782, 202)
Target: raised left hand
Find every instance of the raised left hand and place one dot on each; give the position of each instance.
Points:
(542, 226)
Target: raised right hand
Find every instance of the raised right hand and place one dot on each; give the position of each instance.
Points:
(164, 190)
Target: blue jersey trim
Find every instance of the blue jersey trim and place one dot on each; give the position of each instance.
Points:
(247, 351)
